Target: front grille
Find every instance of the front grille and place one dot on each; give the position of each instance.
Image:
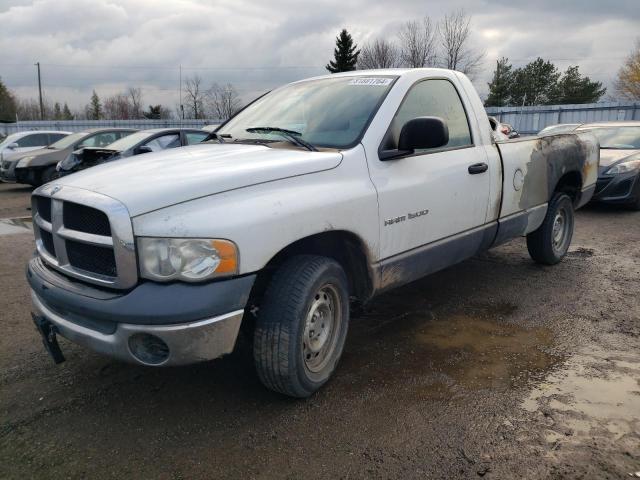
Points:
(86, 219)
(43, 204)
(92, 258)
(85, 235)
(47, 242)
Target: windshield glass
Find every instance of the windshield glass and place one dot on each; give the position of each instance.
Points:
(125, 143)
(67, 141)
(331, 112)
(619, 138)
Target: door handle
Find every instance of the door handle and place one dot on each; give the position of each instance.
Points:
(478, 168)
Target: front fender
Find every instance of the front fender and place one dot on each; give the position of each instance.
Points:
(264, 219)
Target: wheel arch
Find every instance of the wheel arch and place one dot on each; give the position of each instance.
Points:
(345, 247)
(571, 184)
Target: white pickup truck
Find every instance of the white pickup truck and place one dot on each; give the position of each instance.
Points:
(318, 195)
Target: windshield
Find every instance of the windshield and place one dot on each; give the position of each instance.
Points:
(619, 138)
(68, 141)
(129, 141)
(331, 112)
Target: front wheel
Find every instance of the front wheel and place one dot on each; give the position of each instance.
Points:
(550, 242)
(302, 325)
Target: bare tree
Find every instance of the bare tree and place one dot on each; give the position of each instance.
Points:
(223, 100)
(455, 37)
(379, 54)
(135, 97)
(117, 107)
(194, 96)
(418, 43)
(628, 81)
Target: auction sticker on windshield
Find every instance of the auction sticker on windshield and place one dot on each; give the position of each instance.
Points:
(371, 81)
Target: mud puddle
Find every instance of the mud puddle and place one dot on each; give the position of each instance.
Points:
(596, 394)
(12, 226)
(444, 355)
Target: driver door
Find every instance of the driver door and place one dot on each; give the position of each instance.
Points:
(430, 196)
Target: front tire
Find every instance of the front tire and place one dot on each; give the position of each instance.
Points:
(550, 242)
(302, 325)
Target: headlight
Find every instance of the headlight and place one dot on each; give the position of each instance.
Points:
(23, 162)
(186, 259)
(624, 167)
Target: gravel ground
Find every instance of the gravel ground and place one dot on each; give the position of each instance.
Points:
(494, 368)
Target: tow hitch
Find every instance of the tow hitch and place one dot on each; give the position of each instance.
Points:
(48, 332)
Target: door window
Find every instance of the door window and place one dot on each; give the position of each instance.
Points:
(433, 98)
(100, 139)
(33, 140)
(54, 137)
(165, 141)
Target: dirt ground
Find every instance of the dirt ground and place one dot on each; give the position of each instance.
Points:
(494, 368)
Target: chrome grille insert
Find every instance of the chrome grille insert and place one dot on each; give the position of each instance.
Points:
(85, 235)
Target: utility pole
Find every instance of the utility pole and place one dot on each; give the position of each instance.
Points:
(40, 92)
(181, 106)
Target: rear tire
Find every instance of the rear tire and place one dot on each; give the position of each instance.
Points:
(550, 242)
(302, 325)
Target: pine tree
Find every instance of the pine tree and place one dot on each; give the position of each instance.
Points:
(57, 111)
(574, 88)
(66, 113)
(500, 86)
(94, 109)
(345, 54)
(535, 84)
(8, 104)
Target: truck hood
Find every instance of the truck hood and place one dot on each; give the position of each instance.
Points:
(609, 156)
(155, 180)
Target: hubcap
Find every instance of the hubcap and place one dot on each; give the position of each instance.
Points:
(560, 231)
(321, 326)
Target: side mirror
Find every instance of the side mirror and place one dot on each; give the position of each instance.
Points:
(423, 132)
(143, 149)
(419, 133)
(13, 146)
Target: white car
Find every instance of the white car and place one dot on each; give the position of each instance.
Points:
(322, 193)
(32, 140)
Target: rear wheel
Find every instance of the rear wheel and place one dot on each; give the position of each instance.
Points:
(302, 325)
(549, 243)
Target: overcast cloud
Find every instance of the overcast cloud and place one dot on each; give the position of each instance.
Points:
(255, 45)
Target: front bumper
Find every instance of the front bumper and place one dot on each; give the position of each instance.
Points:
(194, 322)
(620, 189)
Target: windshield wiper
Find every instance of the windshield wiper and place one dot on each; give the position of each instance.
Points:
(214, 136)
(291, 135)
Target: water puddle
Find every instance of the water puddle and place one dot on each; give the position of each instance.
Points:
(595, 393)
(440, 355)
(12, 226)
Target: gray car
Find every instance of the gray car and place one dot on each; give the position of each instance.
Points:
(39, 166)
(144, 141)
(619, 170)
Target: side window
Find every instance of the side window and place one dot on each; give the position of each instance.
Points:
(54, 137)
(99, 140)
(195, 137)
(433, 98)
(33, 140)
(120, 135)
(166, 141)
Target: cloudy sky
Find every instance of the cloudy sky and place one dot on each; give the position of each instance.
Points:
(109, 45)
